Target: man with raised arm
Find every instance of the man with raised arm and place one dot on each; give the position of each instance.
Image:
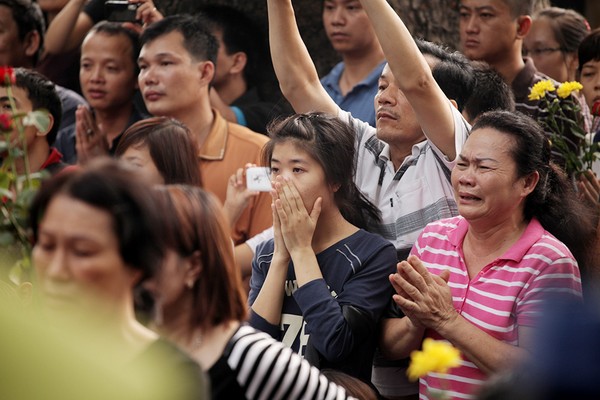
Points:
(403, 165)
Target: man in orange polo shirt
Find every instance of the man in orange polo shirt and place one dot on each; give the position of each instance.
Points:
(177, 64)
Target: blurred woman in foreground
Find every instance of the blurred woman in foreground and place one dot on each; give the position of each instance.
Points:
(97, 235)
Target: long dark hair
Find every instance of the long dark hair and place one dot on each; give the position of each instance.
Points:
(330, 141)
(554, 201)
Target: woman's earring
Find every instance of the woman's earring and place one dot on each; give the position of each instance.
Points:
(189, 283)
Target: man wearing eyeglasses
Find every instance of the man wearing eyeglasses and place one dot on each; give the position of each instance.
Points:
(493, 31)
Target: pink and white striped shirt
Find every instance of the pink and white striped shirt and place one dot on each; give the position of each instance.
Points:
(506, 294)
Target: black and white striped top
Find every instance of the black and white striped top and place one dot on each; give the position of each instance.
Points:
(256, 366)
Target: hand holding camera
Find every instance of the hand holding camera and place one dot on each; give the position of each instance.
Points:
(243, 186)
(121, 10)
(258, 179)
(132, 12)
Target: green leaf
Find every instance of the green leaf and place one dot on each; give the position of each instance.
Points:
(5, 180)
(19, 271)
(38, 118)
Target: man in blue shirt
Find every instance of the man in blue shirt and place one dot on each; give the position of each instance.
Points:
(352, 83)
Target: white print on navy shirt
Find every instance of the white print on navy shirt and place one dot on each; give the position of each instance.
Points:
(294, 325)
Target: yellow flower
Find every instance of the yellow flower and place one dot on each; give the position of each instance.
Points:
(540, 89)
(436, 356)
(565, 89)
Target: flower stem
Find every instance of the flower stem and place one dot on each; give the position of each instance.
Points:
(21, 133)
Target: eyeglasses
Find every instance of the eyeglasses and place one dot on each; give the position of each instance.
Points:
(539, 52)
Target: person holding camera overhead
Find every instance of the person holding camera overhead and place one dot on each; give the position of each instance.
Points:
(68, 29)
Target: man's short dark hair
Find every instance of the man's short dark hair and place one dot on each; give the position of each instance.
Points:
(197, 39)
(453, 71)
(28, 17)
(520, 7)
(491, 92)
(240, 34)
(42, 94)
(111, 28)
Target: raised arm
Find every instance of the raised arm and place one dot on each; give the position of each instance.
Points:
(417, 83)
(293, 66)
(68, 28)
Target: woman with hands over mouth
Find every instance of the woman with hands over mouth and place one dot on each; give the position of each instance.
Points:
(320, 284)
(479, 280)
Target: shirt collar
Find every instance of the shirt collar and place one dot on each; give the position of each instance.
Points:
(332, 79)
(415, 151)
(533, 232)
(214, 145)
(54, 157)
(522, 82)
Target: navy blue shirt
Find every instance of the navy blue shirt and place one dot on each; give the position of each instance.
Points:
(355, 273)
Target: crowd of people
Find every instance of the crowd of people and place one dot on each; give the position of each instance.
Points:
(414, 194)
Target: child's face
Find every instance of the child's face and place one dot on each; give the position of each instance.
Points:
(590, 79)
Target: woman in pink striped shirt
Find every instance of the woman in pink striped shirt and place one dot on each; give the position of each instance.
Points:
(478, 280)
